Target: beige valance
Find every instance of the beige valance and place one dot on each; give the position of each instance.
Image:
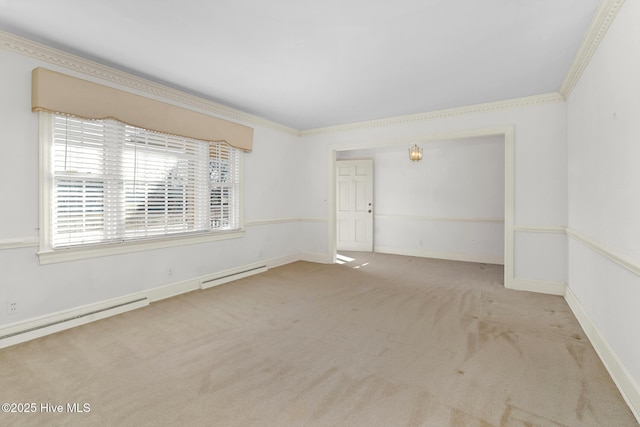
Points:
(59, 93)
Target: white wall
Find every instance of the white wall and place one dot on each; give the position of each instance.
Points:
(575, 165)
(604, 202)
(287, 181)
(271, 216)
(539, 160)
(449, 205)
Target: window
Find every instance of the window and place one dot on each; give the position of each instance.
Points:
(109, 182)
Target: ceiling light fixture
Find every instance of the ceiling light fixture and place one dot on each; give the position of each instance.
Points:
(415, 153)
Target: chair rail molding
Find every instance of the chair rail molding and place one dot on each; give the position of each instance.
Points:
(539, 229)
(19, 242)
(630, 263)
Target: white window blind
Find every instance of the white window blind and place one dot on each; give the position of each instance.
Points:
(113, 182)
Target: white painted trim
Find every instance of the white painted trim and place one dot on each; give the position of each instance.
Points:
(317, 258)
(253, 223)
(48, 324)
(537, 229)
(485, 259)
(438, 218)
(332, 194)
(600, 23)
(627, 385)
(538, 286)
(313, 219)
(630, 263)
(547, 98)
(421, 138)
(509, 206)
(170, 290)
(280, 261)
(20, 242)
(23, 46)
(257, 222)
(174, 289)
(45, 183)
(93, 251)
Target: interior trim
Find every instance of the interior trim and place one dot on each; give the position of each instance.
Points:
(84, 66)
(66, 320)
(28, 329)
(538, 229)
(623, 379)
(93, 251)
(21, 242)
(438, 218)
(257, 222)
(600, 23)
(547, 98)
(538, 286)
(630, 263)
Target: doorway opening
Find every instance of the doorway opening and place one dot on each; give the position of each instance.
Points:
(339, 153)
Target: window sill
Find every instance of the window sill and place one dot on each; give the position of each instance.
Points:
(51, 256)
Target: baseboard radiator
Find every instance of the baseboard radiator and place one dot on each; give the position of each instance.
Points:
(49, 325)
(228, 276)
(39, 327)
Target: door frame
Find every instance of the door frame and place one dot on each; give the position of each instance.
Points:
(507, 132)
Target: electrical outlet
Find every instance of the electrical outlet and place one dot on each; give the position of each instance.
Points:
(12, 306)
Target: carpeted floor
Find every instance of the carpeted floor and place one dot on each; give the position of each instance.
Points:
(381, 340)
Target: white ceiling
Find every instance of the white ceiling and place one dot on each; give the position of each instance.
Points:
(309, 63)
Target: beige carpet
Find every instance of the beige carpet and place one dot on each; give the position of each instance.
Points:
(380, 341)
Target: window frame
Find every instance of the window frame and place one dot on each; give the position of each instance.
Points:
(47, 254)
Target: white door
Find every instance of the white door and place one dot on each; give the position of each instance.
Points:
(354, 180)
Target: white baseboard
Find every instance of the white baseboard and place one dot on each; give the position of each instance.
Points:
(37, 327)
(20, 332)
(539, 286)
(170, 290)
(315, 257)
(485, 259)
(627, 385)
(283, 260)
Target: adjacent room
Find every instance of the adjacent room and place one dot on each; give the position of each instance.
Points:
(343, 213)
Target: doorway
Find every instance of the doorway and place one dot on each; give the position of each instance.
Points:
(507, 132)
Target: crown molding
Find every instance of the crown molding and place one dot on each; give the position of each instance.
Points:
(547, 98)
(76, 63)
(600, 23)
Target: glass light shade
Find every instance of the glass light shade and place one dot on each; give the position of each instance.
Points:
(415, 153)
